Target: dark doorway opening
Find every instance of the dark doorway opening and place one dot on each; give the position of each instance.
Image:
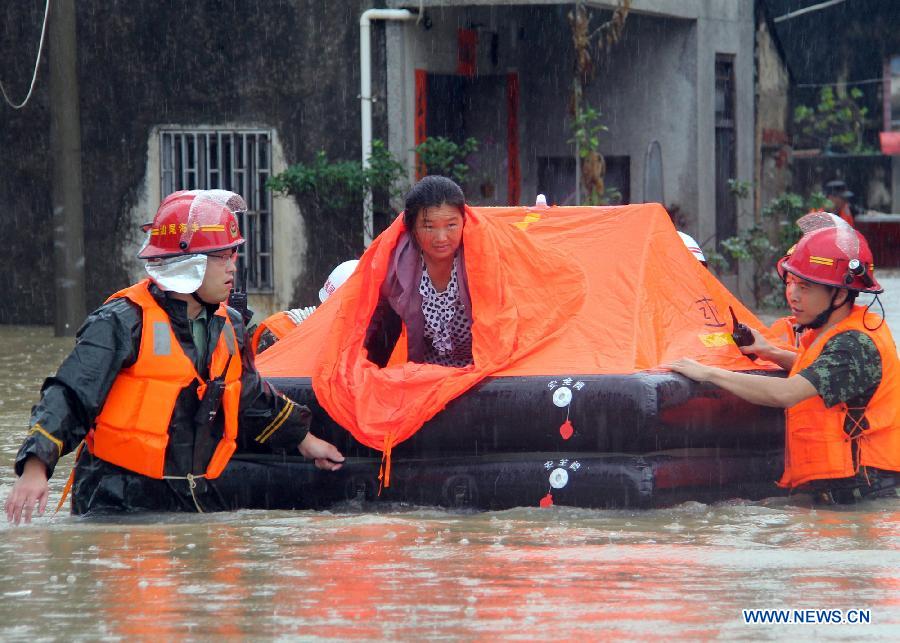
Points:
(726, 143)
(484, 108)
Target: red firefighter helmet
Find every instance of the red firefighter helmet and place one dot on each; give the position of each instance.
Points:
(194, 222)
(836, 256)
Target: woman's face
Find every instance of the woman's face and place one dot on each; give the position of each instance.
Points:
(439, 231)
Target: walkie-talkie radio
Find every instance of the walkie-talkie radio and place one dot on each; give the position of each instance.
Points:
(741, 333)
(237, 298)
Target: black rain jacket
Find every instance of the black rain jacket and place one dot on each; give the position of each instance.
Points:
(109, 341)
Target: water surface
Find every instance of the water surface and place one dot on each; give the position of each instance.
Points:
(417, 573)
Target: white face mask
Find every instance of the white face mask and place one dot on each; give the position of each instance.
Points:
(182, 274)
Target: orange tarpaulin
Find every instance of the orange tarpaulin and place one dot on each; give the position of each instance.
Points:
(573, 291)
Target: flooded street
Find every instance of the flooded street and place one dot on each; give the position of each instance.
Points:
(684, 572)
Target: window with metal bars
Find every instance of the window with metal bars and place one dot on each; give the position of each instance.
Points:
(239, 160)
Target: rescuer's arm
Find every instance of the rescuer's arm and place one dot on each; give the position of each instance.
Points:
(272, 421)
(30, 489)
(71, 400)
(757, 389)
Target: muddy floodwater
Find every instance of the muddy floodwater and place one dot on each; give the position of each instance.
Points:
(685, 572)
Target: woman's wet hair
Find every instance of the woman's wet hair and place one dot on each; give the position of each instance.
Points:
(431, 192)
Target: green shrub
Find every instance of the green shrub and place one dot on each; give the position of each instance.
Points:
(836, 124)
(766, 241)
(440, 155)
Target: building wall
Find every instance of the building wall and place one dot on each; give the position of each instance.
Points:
(647, 91)
(658, 83)
(773, 118)
(291, 65)
(725, 28)
(432, 46)
(773, 83)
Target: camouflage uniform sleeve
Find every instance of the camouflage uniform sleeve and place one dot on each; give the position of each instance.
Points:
(847, 370)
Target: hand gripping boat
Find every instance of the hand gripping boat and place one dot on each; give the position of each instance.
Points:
(576, 312)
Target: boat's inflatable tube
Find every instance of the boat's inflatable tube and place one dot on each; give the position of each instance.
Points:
(635, 413)
(494, 482)
(637, 440)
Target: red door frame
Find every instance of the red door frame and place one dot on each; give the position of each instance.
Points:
(513, 165)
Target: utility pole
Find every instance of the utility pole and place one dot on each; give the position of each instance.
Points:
(65, 148)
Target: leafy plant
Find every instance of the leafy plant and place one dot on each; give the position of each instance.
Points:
(740, 189)
(766, 241)
(332, 184)
(835, 124)
(330, 194)
(341, 184)
(442, 156)
(385, 175)
(586, 129)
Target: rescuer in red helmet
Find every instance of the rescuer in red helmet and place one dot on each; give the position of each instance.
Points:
(842, 393)
(158, 387)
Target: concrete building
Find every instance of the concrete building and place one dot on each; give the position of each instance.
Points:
(212, 95)
(181, 95)
(502, 72)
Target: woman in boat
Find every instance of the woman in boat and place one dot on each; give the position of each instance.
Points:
(426, 290)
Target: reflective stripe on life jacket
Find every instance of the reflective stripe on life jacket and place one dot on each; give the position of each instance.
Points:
(816, 446)
(132, 430)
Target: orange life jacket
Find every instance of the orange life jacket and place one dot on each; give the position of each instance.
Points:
(132, 430)
(279, 324)
(784, 329)
(846, 214)
(816, 445)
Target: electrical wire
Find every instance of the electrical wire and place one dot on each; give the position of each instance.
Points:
(37, 63)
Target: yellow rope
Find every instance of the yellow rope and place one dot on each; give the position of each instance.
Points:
(70, 481)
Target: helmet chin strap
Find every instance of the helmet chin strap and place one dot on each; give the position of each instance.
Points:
(822, 317)
(198, 300)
